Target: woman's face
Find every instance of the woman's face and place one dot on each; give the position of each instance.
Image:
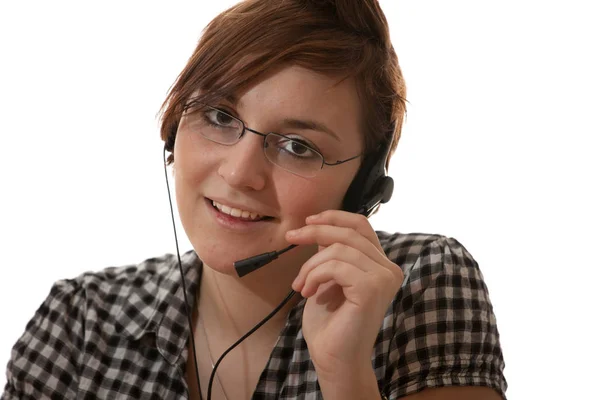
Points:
(240, 176)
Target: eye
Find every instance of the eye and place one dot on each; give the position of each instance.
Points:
(297, 148)
(220, 118)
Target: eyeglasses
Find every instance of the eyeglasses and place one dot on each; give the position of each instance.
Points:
(291, 154)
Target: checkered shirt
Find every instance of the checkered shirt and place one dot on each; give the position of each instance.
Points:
(122, 333)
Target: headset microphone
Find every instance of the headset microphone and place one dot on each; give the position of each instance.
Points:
(247, 265)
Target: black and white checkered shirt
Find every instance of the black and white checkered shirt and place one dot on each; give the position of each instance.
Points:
(122, 333)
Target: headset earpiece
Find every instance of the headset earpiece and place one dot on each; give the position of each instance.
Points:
(371, 186)
(170, 142)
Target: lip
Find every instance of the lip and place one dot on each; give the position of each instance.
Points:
(232, 223)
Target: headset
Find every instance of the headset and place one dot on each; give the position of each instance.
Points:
(370, 187)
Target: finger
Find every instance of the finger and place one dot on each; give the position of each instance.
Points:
(340, 218)
(327, 235)
(339, 252)
(352, 280)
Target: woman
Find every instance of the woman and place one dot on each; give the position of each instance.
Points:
(278, 129)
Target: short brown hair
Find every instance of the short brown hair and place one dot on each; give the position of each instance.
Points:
(335, 37)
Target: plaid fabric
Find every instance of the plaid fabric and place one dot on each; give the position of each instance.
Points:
(122, 333)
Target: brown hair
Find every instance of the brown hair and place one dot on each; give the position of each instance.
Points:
(335, 37)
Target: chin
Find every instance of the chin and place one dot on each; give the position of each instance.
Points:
(221, 259)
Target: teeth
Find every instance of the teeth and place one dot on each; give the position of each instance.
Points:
(236, 212)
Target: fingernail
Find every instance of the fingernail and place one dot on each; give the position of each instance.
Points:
(291, 233)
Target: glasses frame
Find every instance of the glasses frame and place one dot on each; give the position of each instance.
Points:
(265, 135)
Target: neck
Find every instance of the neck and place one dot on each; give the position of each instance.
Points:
(237, 304)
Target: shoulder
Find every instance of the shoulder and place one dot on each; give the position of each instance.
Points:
(110, 286)
(128, 276)
(422, 255)
(103, 291)
(80, 313)
(439, 274)
(425, 257)
(404, 248)
(105, 287)
(118, 299)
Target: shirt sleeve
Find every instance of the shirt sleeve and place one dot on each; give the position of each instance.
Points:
(43, 363)
(445, 329)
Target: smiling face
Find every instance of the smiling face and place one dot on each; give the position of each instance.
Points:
(240, 175)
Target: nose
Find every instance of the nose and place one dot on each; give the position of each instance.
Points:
(244, 165)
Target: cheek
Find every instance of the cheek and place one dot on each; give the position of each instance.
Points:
(192, 165)
(193, 159)
(303, 198)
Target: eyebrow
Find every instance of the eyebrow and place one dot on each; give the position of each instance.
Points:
(231, 98)
(295, 122)
(311, 125)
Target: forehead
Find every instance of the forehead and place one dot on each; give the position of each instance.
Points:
(296, 93)
(303, 87)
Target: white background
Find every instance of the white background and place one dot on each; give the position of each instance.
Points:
(500, 151)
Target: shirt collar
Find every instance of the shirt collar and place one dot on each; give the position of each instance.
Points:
(156, 305)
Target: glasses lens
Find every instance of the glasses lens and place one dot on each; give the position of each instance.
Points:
(214, 124)
(293, 155)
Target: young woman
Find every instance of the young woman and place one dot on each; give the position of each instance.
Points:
(278, 130)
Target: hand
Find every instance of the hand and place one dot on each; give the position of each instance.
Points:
(349, 284)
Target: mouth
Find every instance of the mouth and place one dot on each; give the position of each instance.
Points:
(238, 214)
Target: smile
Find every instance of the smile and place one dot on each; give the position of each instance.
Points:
(236, 212)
